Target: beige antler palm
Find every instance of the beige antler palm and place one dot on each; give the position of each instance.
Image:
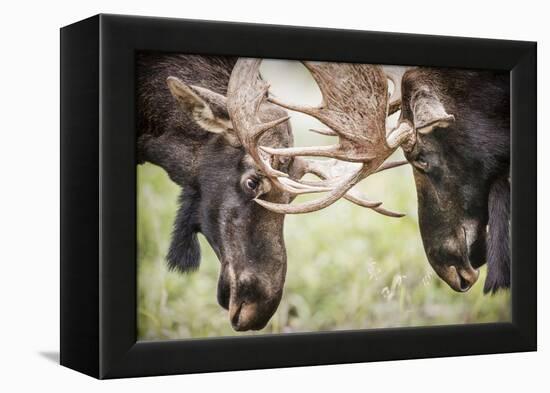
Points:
(354, 107)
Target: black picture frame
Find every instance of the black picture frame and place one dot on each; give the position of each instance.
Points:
(98, 196)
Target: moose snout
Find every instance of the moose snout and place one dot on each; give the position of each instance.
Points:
(244, 316)
(251, 301)
(251, 315)
(458, 273)
(454, 258)
(461, 279)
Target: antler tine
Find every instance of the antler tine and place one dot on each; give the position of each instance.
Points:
(308, 110)
(314, 169)
(359, 200)
(391, 165)
(395, 74)
(331, 169)
(297, 188)
(343, 189)
(323, 132)
(331, 151)
(403, 134)
(318, 204)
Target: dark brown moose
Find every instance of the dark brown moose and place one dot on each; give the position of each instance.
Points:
(184, 127)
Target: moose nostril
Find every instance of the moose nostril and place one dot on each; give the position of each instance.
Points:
(466, 278)
(459, 278)
(463, 283)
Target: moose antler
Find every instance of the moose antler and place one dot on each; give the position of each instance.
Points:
(354, 107)
(395, 74)
(245, 94)
(328, 170)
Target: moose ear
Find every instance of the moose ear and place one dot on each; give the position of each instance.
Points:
(498, 242)
(185, 252)
(206, 107)
(429, 112)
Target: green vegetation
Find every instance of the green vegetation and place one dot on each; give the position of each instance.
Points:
(348, 268)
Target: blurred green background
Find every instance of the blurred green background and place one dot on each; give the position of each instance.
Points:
(348, 267)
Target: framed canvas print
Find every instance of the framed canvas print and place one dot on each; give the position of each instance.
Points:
(292, 195)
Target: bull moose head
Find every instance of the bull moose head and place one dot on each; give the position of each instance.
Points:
(454, 126)
(203, 153)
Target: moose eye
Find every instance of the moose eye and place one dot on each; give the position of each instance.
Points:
(251, 184)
